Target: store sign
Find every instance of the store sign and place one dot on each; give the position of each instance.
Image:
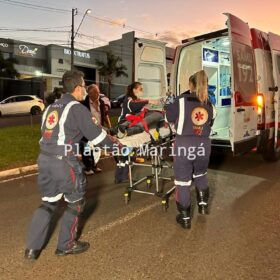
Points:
(4, 45)
(77, 53)
(26, 51)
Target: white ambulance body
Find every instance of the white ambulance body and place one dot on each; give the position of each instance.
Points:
(243, 68)
(150, 67)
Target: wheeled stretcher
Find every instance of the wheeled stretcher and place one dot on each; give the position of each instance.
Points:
(148, 146)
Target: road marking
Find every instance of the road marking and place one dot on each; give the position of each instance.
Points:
(18, 178)
(122, 220)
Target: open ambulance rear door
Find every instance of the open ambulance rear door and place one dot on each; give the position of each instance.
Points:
(274, 42)
(243, 127)
(150, 67)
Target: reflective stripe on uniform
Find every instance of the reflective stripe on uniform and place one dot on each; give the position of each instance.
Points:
(43, 121)
(199, 175)
(44, 116)
(181, 116)
(53, 198)
(61, 134)
(214, 112)
(128, 105)
(183, 183)
(99, 138)
(74, 201)
(119, 118)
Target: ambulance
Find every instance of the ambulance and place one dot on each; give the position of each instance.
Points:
(243, 68)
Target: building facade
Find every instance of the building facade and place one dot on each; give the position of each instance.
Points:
(41, 67)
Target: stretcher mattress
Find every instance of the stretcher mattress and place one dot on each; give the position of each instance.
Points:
(143, 138)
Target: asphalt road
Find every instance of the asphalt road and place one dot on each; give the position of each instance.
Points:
(240, 239)
(15, 120)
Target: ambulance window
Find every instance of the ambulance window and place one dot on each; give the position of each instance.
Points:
(244, 71)
(151, 77)
(152, 54)
(190, 61)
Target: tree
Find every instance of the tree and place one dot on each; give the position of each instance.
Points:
(112, 68)
(7, 69)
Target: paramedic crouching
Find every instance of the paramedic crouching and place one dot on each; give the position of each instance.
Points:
(64, 123)
(193, 115)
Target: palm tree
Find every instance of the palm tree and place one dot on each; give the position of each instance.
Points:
(7, 69)
(112, 68)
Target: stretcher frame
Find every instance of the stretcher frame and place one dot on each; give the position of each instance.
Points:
(157, 164)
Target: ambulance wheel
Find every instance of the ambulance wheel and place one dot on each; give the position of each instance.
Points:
(127, 196)
(165, 204)
(270, 154)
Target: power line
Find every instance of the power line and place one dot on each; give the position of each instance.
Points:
(34, 6)
(42, 28)
(33, 30)
(51, 9)
(123, 25)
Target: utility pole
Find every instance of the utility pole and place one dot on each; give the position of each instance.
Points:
(73, 34)
(74, 12)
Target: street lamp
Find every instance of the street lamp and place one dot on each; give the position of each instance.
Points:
(73, 34)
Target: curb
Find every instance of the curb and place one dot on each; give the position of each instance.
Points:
(25, 169)
(18, 171)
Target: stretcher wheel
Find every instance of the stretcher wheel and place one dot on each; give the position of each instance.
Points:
(127, 197)
(149, 183)
(165, 204)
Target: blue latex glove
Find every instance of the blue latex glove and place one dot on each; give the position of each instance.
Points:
(125, 151)
(170, 99)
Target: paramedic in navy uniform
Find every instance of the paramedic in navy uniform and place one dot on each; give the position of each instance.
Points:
(64, 123)
(192, 114)
(132, 104)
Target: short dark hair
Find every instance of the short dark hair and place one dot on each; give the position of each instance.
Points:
(72, 79)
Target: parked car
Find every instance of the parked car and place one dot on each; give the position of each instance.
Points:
(116, 102)
(20, 104)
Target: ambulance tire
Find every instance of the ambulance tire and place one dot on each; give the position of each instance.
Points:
(270, 154)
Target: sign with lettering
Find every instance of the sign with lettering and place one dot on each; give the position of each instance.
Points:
(244, 71)
(4, 45)
(77, 53)
(27, 51)
(30, 50)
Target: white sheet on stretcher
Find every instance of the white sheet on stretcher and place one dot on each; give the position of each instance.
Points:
(141, 138)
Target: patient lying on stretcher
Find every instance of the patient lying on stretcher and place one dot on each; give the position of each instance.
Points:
(136, 115)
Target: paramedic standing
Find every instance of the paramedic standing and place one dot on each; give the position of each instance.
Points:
(64, 123)
(192, 114)
(132, 104)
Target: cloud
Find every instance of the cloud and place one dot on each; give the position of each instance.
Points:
(121, 21)
(172, 37)
(213, 27)
(175, 36)
(146, 19)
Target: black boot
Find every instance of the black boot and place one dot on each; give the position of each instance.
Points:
(31, 254)
(184, 218)
(77, 248)
(202, 201)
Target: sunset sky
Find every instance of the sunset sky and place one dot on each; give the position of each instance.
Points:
(172, 21)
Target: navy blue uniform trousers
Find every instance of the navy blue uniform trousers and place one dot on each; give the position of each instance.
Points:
(191, 159)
